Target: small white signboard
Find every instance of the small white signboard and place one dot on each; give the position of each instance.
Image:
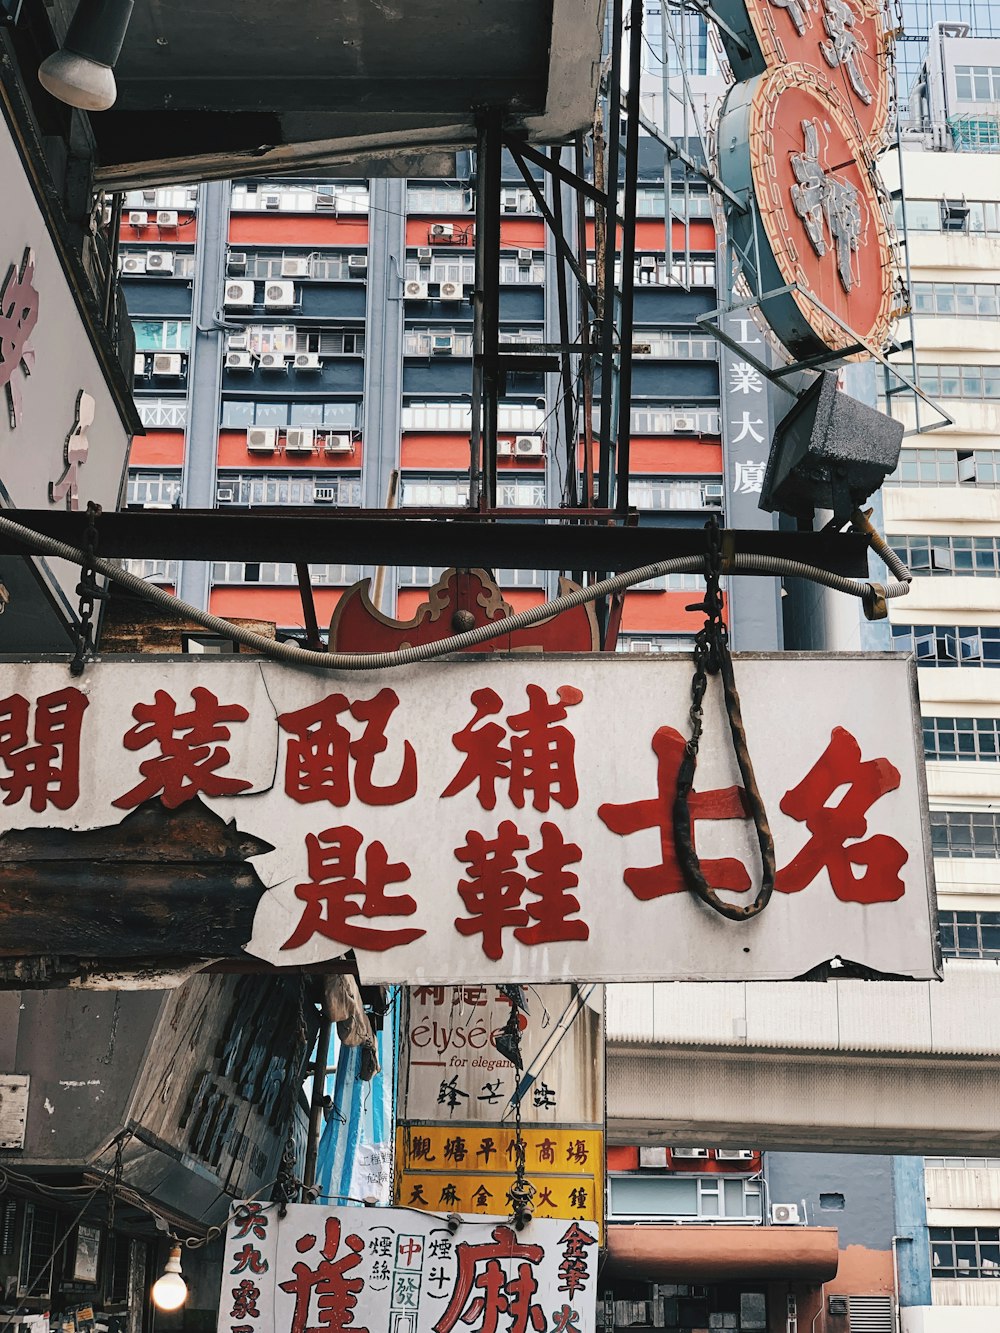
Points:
(387, 1270)
(13, 1109)
(501, 819)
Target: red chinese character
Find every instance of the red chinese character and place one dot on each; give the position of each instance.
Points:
(50, 768)
(554, 904)
(573, 1271)
(336, 1293)
(245, 1301)
(539, 761)
(658, 812)
(250, 1218)
(18, 317)
(496, 1294)
(565, 1320)
(317, 760)
(493, 891)
(249, 1258)
(330, 896)
(189, 758)
(832, 826)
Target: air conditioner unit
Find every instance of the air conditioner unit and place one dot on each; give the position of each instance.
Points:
(159, 261)
(505, 448)
(133, 263)
(338, 444)
(149, 196)
(272, 361)
(441, 231)
(238, 342)
(784, 1214)
(424, 254)
(689, 1154)
(324, 493)
(139, 364)
(647, 261)
(734, 1154)
(299, 440)
(713, 424)
(508, 201)
(262, 440)
(528, 446)
(279, 295)
(442, 344)
(326, 198)
(651, 1159)
(168, 363)
(525, 258)
(137, 218)
(225, 494)
(452, 291)
(294, 267)
(357, 263)
(415, 291)
(308, 361)
(166, 217)
(236, 262)
(272, 202)
(711, 495)
(239, 295)
(239, 361)
(685, 425)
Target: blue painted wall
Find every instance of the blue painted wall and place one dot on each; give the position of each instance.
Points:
(157, 296)
(866, 1183)
(913, 1256)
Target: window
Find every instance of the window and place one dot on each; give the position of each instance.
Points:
(299, 197)
(953, 214)
(674, 345)
(251, 572)
(973, 382)
(949, 645)
(967, 1252)
(286, 488)
(522, 419)
(427, 491)
(674, 420)
(240, 413)
(153, 571)
(162, 411)
(966, 833)
(962, 1163)
(162, 335)
(927, 467)
(675, 493)
(950, 298)
(153, 488)
(655, 643)
(693, 1198)
(962, 738)
(949, 555)
(424, 197)
(521, 492)
(970, 935)
(977, 83)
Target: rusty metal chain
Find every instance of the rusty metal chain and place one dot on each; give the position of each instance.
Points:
(88, 591)
(287, 1185)
(114, 1184)
(508, 1043)
(712, 657)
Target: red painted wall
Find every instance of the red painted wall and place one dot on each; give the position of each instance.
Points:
(185, 233)
(157, 448)
(663, 454)
(233, 453)
(283, 606)
(452, 451)
(661, 613)
(515, 233)
(297, 229)
(649, 235)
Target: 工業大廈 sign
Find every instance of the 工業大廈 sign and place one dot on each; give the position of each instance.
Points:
(465, 821)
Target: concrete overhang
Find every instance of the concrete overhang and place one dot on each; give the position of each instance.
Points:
(666, 1253)
(252, 87)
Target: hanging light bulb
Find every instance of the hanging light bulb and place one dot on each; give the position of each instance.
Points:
(82, 73)
(170, 1291)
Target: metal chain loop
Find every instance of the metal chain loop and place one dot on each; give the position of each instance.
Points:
(88, 591)
(712, 657)
(508, 1043)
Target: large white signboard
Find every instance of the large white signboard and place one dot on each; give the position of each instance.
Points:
(504, 819)
(387, 1270)
(62, 439)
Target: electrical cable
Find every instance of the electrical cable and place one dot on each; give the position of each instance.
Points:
(293, 655)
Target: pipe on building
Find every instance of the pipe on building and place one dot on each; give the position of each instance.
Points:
(722, 1253)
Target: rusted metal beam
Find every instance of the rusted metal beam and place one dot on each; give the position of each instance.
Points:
(426, 537)
(308, 605)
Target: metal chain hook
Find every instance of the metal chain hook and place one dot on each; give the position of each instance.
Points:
(712, 657)
(88, 591)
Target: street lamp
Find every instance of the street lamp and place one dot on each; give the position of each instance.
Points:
(170, 1291)
(82, 73)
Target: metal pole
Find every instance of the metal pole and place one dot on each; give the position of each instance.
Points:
(628, 255)
(586, 358)
(613, 136)
(316, 1105)
(488, 183)
(566, 370)
(475, 439)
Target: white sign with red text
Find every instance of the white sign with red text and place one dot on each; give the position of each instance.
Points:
(387, 1270)
(509, 819)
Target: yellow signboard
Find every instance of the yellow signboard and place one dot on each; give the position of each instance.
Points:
(465, 1168)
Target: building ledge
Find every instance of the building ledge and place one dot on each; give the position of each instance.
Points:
(720, 1253)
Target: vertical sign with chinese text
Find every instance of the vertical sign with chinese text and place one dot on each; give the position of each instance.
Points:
(456, 1136)
(384, 1270)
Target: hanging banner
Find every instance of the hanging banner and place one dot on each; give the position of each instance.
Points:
(462, 822)
(455, 1145)
(385, 1270)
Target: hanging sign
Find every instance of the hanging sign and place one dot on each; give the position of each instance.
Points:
(798, 138)
(455, 1142)
(463, 821)
(64, 437)
(387, 1270)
